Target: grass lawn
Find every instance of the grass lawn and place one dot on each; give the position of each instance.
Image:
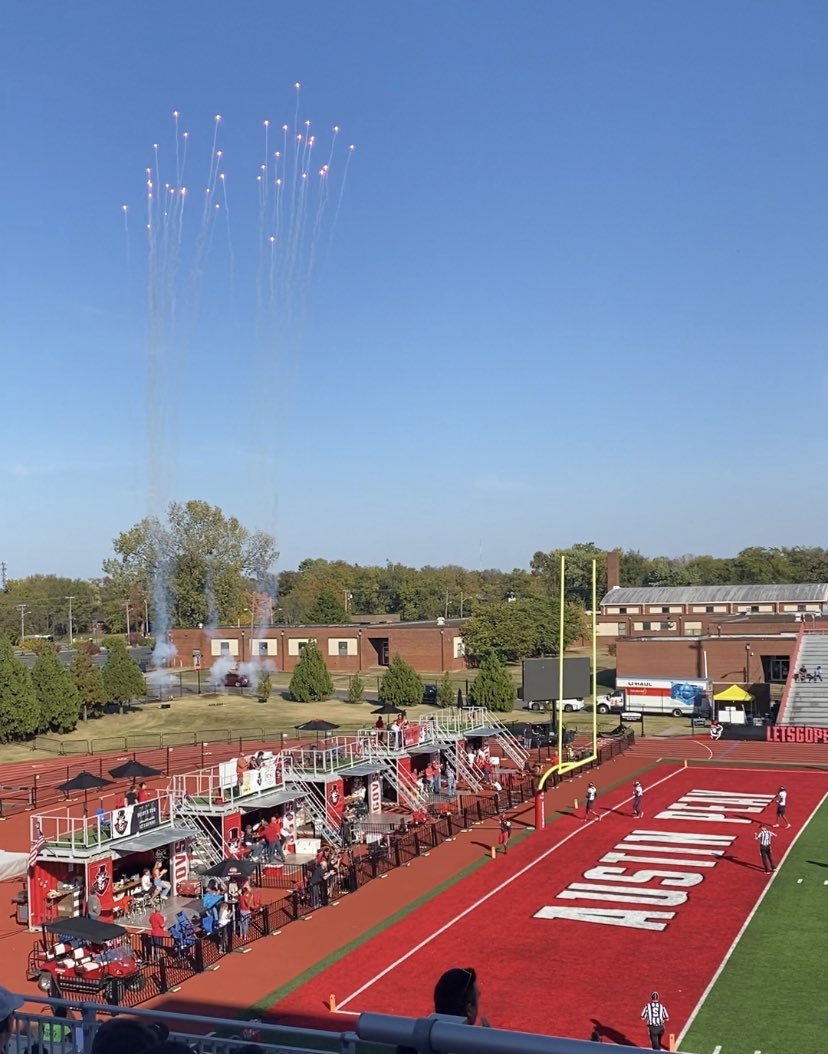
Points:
(769, 997)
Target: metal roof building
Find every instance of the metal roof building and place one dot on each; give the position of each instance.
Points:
(803, 593)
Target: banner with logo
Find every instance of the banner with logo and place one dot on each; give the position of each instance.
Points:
(796, 734)
(256, 780)
(135, 819)
(99, 882)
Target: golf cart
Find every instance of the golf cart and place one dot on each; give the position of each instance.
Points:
(84, 955)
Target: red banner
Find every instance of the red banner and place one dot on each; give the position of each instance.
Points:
(796, 734)
(99, 882)
(411, 735)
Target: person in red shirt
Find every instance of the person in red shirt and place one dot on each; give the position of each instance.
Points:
(158, 931)
(143, 793)
(272, 835)
(244, 908)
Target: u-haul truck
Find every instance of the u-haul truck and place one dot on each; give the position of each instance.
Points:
(679, 696)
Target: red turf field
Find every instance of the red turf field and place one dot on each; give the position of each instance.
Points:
(561, 975)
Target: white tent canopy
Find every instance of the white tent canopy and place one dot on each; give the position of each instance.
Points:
(13, 865)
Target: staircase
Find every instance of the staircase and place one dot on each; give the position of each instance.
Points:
(409, 792)
(460, 763)
(205, 845)
(509, 743)
(310, 801)
(807, 701)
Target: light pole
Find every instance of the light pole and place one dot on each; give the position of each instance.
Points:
(22, 609)
(71, 634)
(146, 618)
(127, 615)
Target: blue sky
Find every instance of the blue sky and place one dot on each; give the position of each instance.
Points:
(575, 290)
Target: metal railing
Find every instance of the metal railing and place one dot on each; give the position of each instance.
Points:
(66, 831)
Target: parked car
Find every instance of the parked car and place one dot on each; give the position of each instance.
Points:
(236, 680)
(567, 705)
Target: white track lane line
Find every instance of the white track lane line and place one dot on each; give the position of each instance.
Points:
(746, 923)
(482, 900)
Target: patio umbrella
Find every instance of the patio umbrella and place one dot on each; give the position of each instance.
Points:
(388, 708)
(317, 725)
(134, 770)
(223, 870)
(85, 781)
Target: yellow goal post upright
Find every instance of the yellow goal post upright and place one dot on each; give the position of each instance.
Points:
(568, 766)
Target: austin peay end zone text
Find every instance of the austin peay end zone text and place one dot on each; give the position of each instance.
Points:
(796, 734)
(651, 873)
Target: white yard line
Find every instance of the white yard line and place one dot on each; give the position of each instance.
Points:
(745, 925)
(481, 900)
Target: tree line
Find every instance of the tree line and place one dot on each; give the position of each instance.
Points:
(52, 697)
(213, 571)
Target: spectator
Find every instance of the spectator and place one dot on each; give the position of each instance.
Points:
(457, 993)
(272, 834)
(245, 909)
(253, 845)
(131, 796)
(59, 1035)
(143, 793)
(451, 779)
(655, 1015)
(9, 1002)
(126, 1035)
(817, 674)
(158, 931)
(146, 882)
(224, 926)
(159, 882)
(396, 734)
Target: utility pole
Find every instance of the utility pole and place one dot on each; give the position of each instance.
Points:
(127, 615)
(22, 609)
(71, 634)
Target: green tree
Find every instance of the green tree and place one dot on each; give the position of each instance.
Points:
(57, 695)
(329, 609)
(205, 560)
(122, 677)
(520, 629)
(445, 690)
(88, 681)
(493, 687)
(577, 571)
(19, 707)
(356, 690)
(401, 684)
(264, 686)
(311, 680)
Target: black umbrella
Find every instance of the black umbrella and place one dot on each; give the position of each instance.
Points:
(388, 708)
(134, 770)
(223, 870)
(85, 781)
(317, 725)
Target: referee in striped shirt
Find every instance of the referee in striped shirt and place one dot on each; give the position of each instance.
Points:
(655, 1014)
(763, 836)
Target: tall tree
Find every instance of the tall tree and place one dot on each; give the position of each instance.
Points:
(519, 629)
(311, 680)
(493, 687)
(57, 696)
(88, 681)
(122, 677)
(19, 708)
(205, 562)
(401, 684)
(329, 610)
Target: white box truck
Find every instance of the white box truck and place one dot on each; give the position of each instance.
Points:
(679, 696)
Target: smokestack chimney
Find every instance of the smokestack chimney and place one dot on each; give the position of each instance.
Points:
(613, 569)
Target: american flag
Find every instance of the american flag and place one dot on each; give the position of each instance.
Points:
(37, 844)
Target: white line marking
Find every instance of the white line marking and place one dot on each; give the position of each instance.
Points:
(799, 881)
(717, 1050)
(745, 925)
(481, 900)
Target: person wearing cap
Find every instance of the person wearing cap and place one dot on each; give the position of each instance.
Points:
(781, 805)
(591, 795)
(655, 1015)
(9, 1002)
(638, 794)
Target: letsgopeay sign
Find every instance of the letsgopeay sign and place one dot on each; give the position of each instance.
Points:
(796, 734)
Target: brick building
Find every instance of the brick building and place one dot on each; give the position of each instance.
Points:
(432, 647)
